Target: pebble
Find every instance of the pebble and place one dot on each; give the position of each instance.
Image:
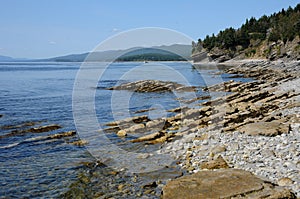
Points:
(285, 182)
(272, 158)
(205, 142)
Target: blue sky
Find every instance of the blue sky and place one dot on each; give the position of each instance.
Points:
(47, 28)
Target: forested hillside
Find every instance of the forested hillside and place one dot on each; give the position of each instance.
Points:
(271, 37)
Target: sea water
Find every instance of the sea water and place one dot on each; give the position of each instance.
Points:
(31, 166)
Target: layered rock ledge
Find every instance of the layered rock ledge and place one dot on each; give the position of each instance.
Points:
(153, 86)
(255, 128)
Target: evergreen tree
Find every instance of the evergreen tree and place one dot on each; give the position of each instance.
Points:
(284, 26)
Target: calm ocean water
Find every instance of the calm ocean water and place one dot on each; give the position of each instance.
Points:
(42, 92)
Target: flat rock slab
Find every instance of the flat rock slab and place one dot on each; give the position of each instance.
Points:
(149, 137)
(224, 183)
(266, 128)
(153, 86)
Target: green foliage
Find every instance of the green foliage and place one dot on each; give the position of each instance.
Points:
(284, 25)
(250, 52)
(274, 36)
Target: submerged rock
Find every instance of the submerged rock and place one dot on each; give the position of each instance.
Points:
(224, 183)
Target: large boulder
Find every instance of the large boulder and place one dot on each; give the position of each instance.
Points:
(223, 183)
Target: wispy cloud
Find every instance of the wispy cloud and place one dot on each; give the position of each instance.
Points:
(52, 42)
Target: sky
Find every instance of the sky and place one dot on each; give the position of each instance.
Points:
(49, 28)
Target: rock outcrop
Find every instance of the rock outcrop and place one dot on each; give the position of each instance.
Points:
(231, 131)
(224, 183)
(254, 108)
(145, 86)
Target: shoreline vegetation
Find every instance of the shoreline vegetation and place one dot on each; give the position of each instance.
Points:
(270, 37)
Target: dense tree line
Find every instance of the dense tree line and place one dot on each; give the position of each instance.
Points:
(284, 25)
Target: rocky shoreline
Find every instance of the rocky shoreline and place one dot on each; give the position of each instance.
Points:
(245, 144)
(259, 132)
(254, 128)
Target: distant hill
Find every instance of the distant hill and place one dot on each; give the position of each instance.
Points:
(176, 52)
(270, 37)
(5, 58)
(12, 59)
(164, 53)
